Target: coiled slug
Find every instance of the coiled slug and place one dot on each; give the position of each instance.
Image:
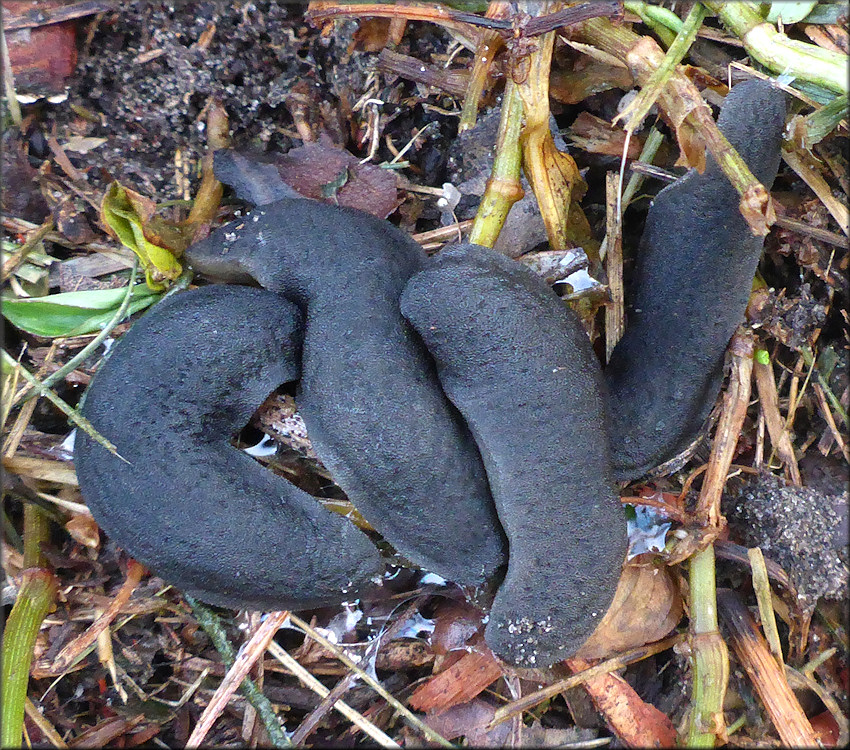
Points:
(368, 392)
(518, 365)
(197, 511)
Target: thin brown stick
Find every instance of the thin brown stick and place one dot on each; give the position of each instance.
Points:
(800, 227)
(615, 319)
(63, 161)
(767, 676)
(44, 726)
(31, 243)
(245, 659)
(317, 687)
(728, 431)
(72, 651)
(443, 234)
(403, 710)
(314, 718)
(830, 421)
(806, 168)
(527, 702)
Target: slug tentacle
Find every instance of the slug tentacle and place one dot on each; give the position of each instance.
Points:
(692, 279)
(368, 393)
(518, 365)
(197, 511)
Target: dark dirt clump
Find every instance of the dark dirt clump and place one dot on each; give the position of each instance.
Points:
(802, 529)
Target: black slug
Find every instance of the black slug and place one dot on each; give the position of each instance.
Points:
(368, 393)
(692, 280)
(525, 393)
(197, 511)
(519, 366)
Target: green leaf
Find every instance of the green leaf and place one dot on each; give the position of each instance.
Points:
(127, 213)
(74, 313)
(790, 12)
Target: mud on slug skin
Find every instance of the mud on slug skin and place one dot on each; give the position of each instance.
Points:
(200, 513)
(368, 394)
(519, 366)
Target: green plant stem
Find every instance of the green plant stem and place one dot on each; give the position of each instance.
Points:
(643, 57)
(650, 91)
(36, 532)
(778, 53)
(709, 655)
(653, 142)
(665, 23)
(503, 187)
(35, 599)
(212, 625)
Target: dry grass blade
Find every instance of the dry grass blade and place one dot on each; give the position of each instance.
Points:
(767, 676)
(434, 238)
(43, 469)
(361, 722)
(806, 168)
(71, 652)
(245, 659)
(44, 726)
(830, 421)
(31, 243)
(403, 710)
(779, 436)
(761, 585)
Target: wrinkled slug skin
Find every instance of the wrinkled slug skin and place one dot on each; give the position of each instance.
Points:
(369, 396)
(692, 280)
(519, 367)
(200, 513)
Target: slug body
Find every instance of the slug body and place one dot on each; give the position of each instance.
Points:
(197, 511)
(692, 280)
(518, 365)
(368, 393)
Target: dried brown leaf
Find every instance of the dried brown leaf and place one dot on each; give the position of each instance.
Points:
(647, 606)
(314, 166)
(597, 136)
(84, 530)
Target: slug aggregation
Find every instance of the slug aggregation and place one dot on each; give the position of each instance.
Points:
(456, 400)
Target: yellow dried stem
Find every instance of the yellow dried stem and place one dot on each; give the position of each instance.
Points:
(552, 174)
